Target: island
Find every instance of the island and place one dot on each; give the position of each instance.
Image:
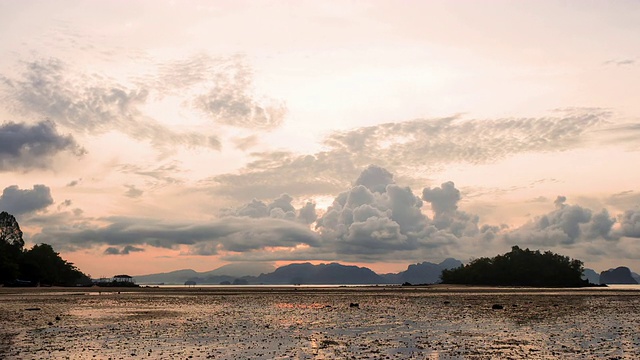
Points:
(519, 268)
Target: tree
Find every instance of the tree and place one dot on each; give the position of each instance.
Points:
(519, 268)
(11, 245)
(40, 264)
(43, 265)
(10, 232)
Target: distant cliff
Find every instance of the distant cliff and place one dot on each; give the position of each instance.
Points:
(591, 276)
(422, 273)
(333, 273)
(619, 275)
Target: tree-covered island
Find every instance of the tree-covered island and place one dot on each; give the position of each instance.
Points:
(519, 268)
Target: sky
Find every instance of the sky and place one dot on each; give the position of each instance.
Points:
(149, 136)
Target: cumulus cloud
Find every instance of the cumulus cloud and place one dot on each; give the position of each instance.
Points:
(375, 178)
(443, 199)
(630, 224)
(279, 208)
(375, 219)
(18, 201)
(307, 214)
(24, 146)
(91, 104)
(565, 226)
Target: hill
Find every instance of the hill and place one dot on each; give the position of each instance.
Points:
(519, 268)
(328, 274)
(619, 275)
(422, 273)
(228, 272)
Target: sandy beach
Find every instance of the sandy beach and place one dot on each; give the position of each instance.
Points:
(318, 323)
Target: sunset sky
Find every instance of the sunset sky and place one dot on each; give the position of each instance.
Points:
(146, 136)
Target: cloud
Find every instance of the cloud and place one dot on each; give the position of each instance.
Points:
(74, 183)
(279, 208)
(231, 234)
(453, 139)
(621, 62)
(133, 192)
(24, 146)
(307, 214)
(375, 178)
(124, 251)
(91, 104)
(64, 204)
(443, 199)
(272, 174)
(565, 226)
(16, 201)
(375, 219)
(246, 143)
(160, 175)
(630, 224)
(411, 148)
(373, 222)
(222, 90)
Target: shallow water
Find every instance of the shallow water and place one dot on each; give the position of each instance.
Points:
(319, 323)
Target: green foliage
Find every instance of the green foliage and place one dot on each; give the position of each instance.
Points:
(10, 232)
(40, 264)
(519, 268)
(11, 244)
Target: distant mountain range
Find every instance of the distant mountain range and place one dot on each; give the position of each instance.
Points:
(335, 273)
(302, 273)
(227, 272)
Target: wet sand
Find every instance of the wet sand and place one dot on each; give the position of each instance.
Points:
(318, 323)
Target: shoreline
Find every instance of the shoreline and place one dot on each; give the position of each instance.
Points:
(395, 289)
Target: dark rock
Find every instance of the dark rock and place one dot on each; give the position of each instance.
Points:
(32, 309)
(354, 305)
(50, 323)
(591, 276)
(497, 307)
(620, 275)
(57, 318)
(422, 273)
(447, 302)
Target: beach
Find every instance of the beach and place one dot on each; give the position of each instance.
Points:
(436, 322)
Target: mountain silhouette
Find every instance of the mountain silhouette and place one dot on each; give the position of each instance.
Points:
(302, 273)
